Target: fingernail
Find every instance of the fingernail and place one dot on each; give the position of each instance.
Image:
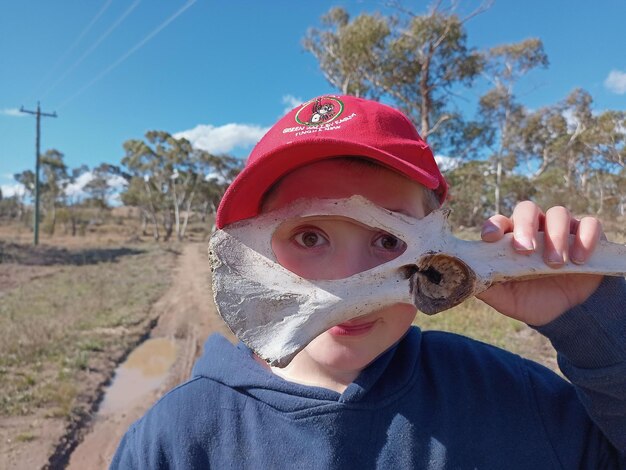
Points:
(488, 229)
(555, 258)
(577, 256)
(524, 243)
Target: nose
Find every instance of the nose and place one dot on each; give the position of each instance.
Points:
(355, 257)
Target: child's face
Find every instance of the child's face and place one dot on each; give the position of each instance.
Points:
(335, 248)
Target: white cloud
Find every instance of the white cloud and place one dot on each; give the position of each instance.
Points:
(77, 187)
(571, 119)
(14, 112)
(223, 139)
(616, 82)
(10, 190)
(215, 176)
(290, 102)
(117, 182)
(446, 163)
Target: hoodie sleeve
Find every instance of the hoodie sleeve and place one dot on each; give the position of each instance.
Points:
(590, 340)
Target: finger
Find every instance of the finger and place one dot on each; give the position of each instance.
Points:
(495, 227)
(527, 218)
(556, 236)
(588, 233)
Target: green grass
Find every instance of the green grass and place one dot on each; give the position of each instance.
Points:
(476, 320)
(53, 328)
(479, 321)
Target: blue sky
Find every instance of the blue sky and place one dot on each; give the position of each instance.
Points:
(114, 69)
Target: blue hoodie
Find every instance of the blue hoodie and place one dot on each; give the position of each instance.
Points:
(433, 401)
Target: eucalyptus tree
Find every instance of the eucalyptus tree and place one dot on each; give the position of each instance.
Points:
(470, 202)
(416, 61)
(609, 142)
(55, 179)
(166, 175)
(99, 188)
(27, 179)
(499, 108)
(218, 172)
(164, 168)
(576, 154)
(138, 193)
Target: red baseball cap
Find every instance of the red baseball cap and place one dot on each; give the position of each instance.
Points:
(326, 127)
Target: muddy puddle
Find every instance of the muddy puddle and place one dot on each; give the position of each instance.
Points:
(142, 372)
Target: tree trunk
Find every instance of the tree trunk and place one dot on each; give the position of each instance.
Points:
(155, 223)
(425, 95)
(155, 228)
(176, 211)
(181, 234)
(168, 226)
(144, 221)
(54, 218)
(497, 202)
(205, 210)
(601, 196)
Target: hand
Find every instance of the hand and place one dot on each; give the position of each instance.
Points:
(539, 301)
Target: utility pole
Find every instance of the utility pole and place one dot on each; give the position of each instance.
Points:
(37, 113)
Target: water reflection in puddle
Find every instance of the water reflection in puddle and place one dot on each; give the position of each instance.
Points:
(143, 371)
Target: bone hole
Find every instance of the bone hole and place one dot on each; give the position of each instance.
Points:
(408, 270)
(432, 275)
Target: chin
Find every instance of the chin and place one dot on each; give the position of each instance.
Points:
(355, 352)
(347, 354)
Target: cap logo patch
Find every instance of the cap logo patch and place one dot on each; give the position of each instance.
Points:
(319, 111)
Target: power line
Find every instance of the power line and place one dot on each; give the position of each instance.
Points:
(93, 47)
(37, 113)
(130, 51)
(75, 43)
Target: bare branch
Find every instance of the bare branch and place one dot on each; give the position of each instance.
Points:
(441, 120)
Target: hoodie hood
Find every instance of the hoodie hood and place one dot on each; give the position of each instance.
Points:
(385, 379)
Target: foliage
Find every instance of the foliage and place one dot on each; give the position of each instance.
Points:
(414, 60)
(500, 113)
(470, 203)
(562, 154)
(167, 174)
(10, 208)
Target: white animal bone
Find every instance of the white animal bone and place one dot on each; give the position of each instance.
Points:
(277, 313)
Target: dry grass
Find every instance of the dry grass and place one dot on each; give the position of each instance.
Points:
(55, 328)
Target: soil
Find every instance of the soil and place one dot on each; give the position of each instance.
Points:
(185, 315)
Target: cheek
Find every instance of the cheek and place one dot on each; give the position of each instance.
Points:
(402, 316)
(298, 261)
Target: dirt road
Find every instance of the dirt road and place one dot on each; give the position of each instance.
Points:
(186, 317)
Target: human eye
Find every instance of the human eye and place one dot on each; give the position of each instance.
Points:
(388, 242)
(309, 238)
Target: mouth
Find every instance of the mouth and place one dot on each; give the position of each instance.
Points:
(353, 328)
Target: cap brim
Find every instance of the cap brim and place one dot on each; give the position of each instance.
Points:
(238, 204)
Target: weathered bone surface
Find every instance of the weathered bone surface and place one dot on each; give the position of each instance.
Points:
(277, 313)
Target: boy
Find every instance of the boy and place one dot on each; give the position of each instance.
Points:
(374, 392)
